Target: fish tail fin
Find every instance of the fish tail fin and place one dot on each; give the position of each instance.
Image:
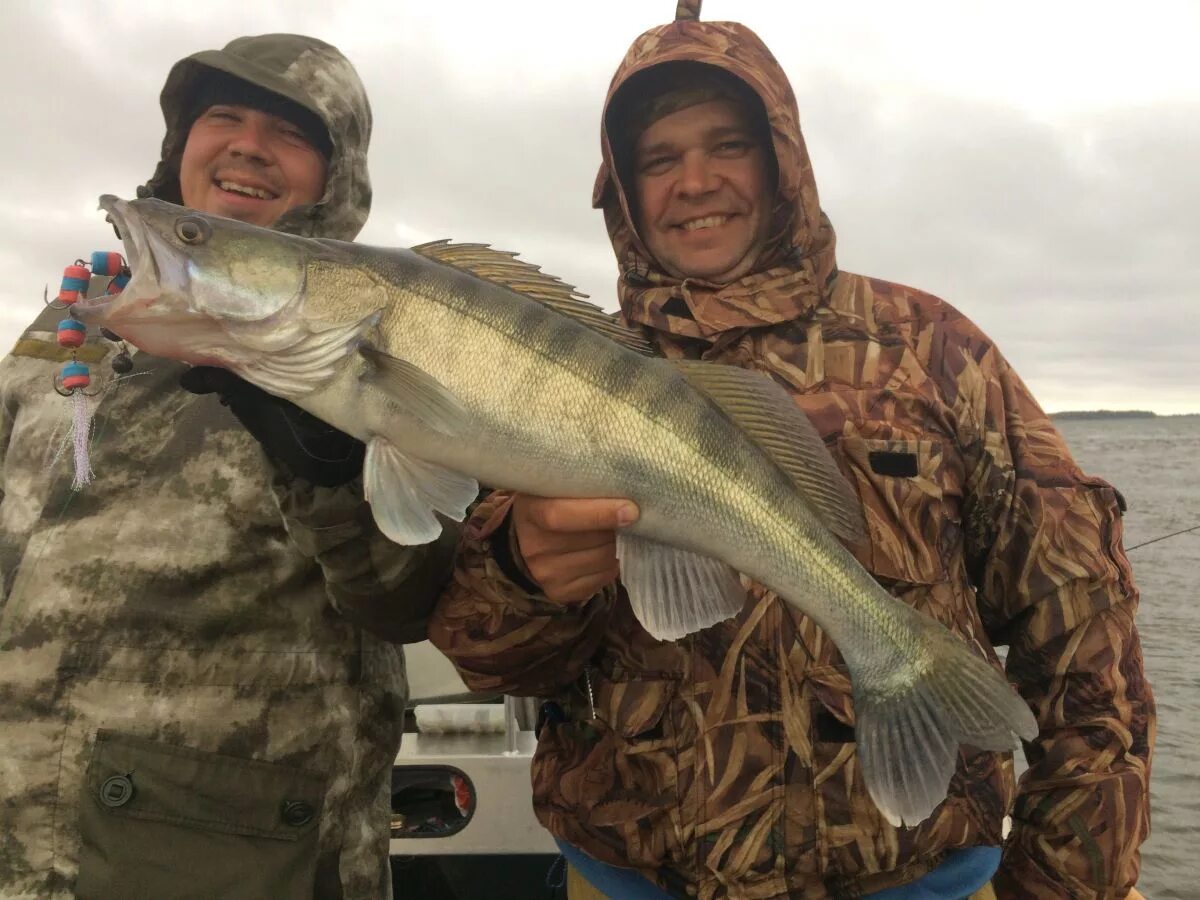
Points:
(910, 721)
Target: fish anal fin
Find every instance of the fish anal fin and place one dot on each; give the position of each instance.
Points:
(503, 268)
(675, 592)
(766, 412)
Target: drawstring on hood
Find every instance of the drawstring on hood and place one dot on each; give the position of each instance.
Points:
(797, 266)
(301, 70)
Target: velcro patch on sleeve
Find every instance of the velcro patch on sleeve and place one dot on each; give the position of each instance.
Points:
(50, 350)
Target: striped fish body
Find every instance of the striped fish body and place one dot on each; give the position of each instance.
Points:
(460, 366)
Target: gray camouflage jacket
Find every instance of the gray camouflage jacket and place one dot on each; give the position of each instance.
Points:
(199, 696)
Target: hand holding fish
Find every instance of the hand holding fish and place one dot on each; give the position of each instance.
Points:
(569, 546)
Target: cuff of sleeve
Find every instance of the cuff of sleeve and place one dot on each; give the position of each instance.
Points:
(507, 555)
(491, 544)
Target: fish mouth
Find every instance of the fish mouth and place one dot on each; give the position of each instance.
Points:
(144, 282)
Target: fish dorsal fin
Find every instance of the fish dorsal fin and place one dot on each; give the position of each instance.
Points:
(763, 410)
(503, 268)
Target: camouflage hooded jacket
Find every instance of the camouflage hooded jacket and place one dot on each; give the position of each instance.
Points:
(724, 764)
(194, 616)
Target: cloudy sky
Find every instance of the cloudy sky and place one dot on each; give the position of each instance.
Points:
(1035, 164)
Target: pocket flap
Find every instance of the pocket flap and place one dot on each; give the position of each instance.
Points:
(635, 709)
(144, 779)
(901, 486)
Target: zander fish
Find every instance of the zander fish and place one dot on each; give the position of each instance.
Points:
(460, 365)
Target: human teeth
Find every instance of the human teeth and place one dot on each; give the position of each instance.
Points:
(244, 189)
(706, 222)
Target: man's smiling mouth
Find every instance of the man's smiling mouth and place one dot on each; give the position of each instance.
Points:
(704, 222)
(245, 190)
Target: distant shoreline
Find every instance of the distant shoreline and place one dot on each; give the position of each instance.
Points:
(1120, 414)
(1105, 414)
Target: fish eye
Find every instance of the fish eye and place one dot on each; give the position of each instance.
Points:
(192, 230)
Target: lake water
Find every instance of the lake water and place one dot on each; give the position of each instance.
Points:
(1155, 463)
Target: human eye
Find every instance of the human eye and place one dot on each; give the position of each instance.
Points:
(222, 113)
(656, 164)
(733, 147)
(292, 134)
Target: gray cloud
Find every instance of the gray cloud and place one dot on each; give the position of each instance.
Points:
(1069, 239)
(1071, 243)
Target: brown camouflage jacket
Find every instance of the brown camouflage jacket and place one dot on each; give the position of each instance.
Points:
(724, 763)
(194, 619)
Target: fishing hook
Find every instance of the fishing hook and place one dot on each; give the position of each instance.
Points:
(67, 392)
(53, 304)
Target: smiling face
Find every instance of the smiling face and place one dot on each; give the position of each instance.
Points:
(249, 165)
(704, 191)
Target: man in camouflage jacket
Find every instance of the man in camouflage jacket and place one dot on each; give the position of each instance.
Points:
(201, 688)
(724, 764)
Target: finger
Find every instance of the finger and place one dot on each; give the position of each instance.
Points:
(561, 568)
(581, 589)
(576, 515)
(535, 541)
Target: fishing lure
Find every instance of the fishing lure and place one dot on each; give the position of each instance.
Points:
(74, 380)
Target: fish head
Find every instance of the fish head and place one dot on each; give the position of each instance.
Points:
(201, 286)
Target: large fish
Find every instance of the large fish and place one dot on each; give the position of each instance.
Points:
(459, 365)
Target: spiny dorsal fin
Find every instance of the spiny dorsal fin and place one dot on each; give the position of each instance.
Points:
(503, 268)
(768, 415)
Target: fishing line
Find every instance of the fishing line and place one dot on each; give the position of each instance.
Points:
(1163, 538)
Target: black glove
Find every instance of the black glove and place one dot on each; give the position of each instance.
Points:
(310, 448)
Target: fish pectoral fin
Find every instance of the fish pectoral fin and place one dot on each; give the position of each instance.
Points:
(676, 592)
(406, 492)
(415, 391)
(908, 730)
(770, 417)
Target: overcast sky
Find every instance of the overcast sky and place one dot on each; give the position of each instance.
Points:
(1033, 163)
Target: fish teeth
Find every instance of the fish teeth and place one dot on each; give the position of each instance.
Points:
(244, 189)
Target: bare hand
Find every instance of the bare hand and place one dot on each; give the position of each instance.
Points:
(570, 546)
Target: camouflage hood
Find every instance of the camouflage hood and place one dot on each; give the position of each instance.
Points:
(308, 72)
(796, 269)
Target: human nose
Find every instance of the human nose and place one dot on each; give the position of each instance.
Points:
(251, 142)
(698, 176)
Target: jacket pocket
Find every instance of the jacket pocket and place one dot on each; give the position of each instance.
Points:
(635, 709)
(158, 820)
(901, 486)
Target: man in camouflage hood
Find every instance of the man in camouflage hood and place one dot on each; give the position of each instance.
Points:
(202, 689)
(724, 764)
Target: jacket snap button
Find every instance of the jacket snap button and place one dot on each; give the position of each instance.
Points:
(297, 812)
(116, 791)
